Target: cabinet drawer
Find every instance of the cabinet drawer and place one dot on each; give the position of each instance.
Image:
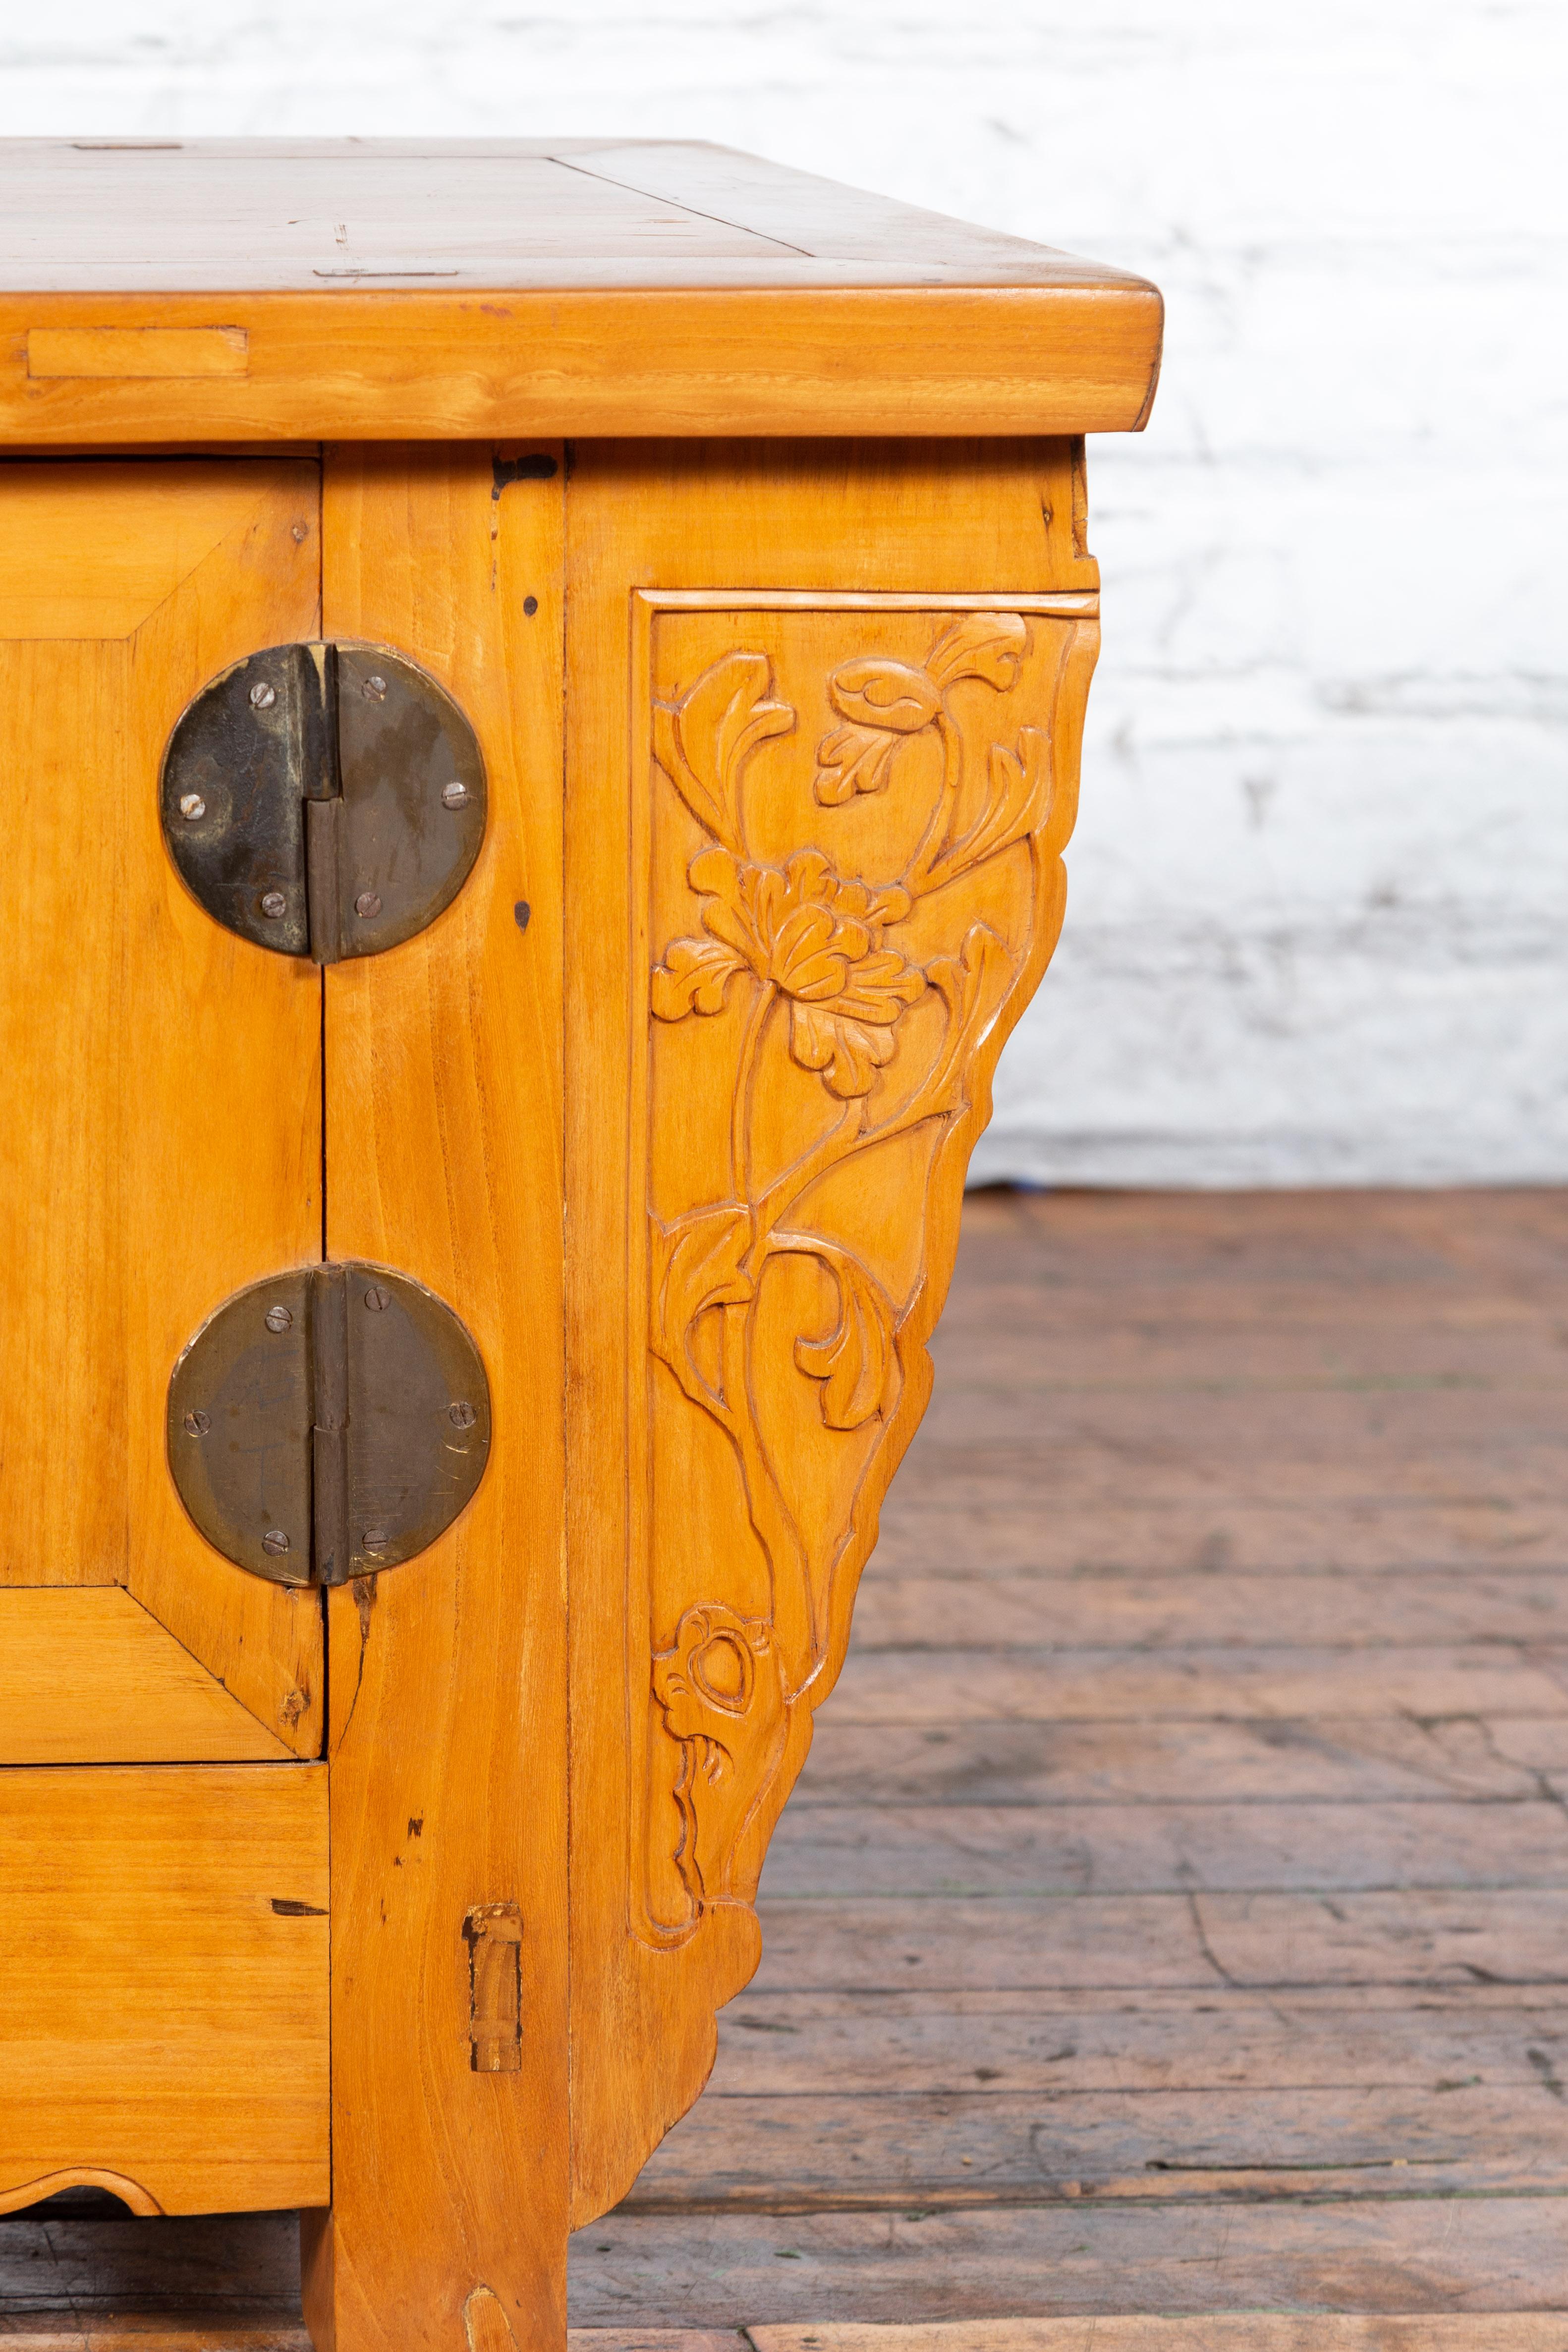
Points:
(163, 1962)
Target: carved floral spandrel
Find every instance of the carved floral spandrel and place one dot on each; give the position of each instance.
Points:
(854, 859)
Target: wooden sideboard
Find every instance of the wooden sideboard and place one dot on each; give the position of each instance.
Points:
(622, 616)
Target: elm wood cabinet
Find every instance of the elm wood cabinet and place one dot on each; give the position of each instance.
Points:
(742, 521)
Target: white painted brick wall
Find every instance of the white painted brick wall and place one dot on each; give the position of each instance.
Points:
(1317, 926)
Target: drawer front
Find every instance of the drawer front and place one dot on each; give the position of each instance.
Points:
(163, 1985)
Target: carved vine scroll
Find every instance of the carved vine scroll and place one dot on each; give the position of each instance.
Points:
(857, 817)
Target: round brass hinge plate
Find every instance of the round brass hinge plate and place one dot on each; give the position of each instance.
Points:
(323, 799)
(329, 1421)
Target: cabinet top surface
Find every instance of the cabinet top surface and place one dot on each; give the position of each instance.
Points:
(107, 217)
(151, 291)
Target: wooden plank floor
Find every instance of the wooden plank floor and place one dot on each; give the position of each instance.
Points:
(1171, 1925)
(1173, 1916)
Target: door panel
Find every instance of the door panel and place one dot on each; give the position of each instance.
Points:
(162, 1144)
(86, 1675)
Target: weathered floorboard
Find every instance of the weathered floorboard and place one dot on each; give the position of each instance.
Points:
(1356, 1760)
(973, 1610)
(1376, 2038)
(1154, 1848)
(1255, 2332)
(1425, 2253)
(1172, 1916)
(1057, 1686)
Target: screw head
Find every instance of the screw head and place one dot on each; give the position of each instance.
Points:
(274, 905)
(367, 904)
(191, 807)
(377, 1299)
(299, 533)
(374, 690)
(376, 1539)
(275, 1541)
(197, 1424)
(461, 1415)
(454, 795)
(262, 696)
(278, 1318)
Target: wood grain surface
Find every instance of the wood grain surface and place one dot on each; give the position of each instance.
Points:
(447, 289)
(784, 1215)
(162, 1146)
(439, 366)
(231, 214)
(164, 1984)
(87, 1676)
(448, 1679)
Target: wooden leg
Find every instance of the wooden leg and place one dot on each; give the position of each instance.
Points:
(447, 1676)
(788, 991)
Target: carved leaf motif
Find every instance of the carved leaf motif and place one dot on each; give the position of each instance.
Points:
(1020, 791)
(853, 760)
(693, 977)
(826, 983)
(1017, 806)
(964, 981)
(883, 700)
(696, 1266)
(988, 646)
(703, 740)
(848, 1051)
(855, 1361)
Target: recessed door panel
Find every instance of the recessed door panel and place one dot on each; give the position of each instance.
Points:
(161, 1145)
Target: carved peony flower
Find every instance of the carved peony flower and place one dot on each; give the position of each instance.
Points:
(814, 936)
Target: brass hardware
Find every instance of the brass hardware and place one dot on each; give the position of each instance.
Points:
(311, 1444)
(324, 800)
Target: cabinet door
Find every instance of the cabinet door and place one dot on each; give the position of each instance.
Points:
(162, 1144)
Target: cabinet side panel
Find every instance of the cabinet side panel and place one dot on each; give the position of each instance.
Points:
(824, 716)
(448, 1735)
